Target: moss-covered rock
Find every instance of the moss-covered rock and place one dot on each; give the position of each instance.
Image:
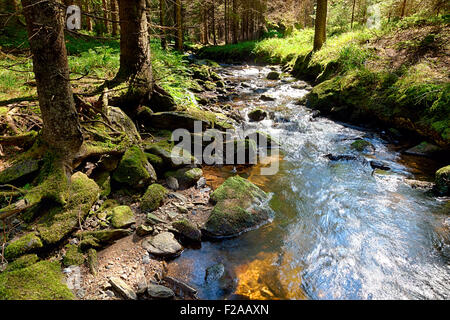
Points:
(362, 145)
(60, 222)
(442, 181)
(40, 281)
(92, 261)
(186, 177)
(257, 115)
(153, 197)
(100, 238)
(188, 230)
(273, 75)
(174, 120)
(103, 180)
(25, 244)
(166, 159)
(239, 206)
(73, 256)
(156, 161)
(122, 217)
(134, 170)
(19, 170)
(22, 262)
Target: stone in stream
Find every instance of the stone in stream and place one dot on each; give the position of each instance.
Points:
(163, 245)
(240, 206)
(121, 287)
(424, 149)
(214, 272)
(257, 115)
(159, 292)
(442, 180)
(361, 145)
(265, 97)
(273, 75)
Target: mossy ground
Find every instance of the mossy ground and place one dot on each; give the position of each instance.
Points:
(40, 281)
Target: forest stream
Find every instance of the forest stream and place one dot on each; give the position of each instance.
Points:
(341, 230)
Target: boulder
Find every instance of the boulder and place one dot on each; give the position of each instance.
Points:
(153, 198)
(23, 245)
(161, 100)
(424, 149)
(159, 292)
(100, 238)
(172, 183)
(266, 98)
(163, 245)
(122, 217)
(168, 159)
(239, 207)
(187, 177)
(134, 170)
(119, 119)
(361, 145)
(188, 230)
(122, 288)
(257, 115)
(273, 75)
(442, 181)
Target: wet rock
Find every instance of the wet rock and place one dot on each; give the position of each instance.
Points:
(214, 272)
(188, 230)
(187, 177)
(361, 145)
(122, 288)
(134, 170)
(159, 292)
(342, 157)
(424, 149)
(144, 230)
(153, 197)
(265, 97)
(417, 184)
(442, 181)
(379, 165)
(183, 289)
(163, 245)
(239, 207)
(172, 183)
(257, 115)
(273, 75)
(122, 217)
(19, 171)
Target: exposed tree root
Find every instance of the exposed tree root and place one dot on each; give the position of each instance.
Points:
(24, 141)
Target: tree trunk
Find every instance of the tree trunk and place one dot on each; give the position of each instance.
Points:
(105, 15)
(179, 26)
(235, 22)
(88, 19)
(226, 23)
(214, 22)
(61, 129)
(115, 17)
(320, 33)
(403, 8)
(162, 22)
(353, 14)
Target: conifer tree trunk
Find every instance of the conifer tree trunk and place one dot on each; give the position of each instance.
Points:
(61, 129)
(162, 21)
(115, 17)
(320, 33)
(179, 26)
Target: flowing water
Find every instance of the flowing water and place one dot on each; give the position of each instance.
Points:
(340, 230)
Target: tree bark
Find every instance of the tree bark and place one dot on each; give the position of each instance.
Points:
(61, 129)
(115, 17)
(179, 26)
(320, 33)
(353, 14)
(162, 22)
(235, 22)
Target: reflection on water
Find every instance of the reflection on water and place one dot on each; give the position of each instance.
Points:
(340, 232)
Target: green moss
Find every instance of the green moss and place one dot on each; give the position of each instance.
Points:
(442, 181)
(19, 170)
(60, 222)
(186, 176)
(188, 230)
(360, 145)
(40, 281)
(156, 161)
(92, 260)
(153, 197)
(103, 180)
(233, 212)
(22, 262)
(25, 244)
(102, 237)
(134, 169)
(122, 217)
(73, 256)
